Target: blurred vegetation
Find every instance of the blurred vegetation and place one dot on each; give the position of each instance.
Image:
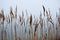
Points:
(22, 29)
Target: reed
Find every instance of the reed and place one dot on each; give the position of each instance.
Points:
(11, 19)
(41, 20)
(16, 12)
(36, 27)
(59, 20)
(29, 21)
(43, 10)
(15, 31)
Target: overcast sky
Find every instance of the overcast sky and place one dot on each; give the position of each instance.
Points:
(32, 6)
